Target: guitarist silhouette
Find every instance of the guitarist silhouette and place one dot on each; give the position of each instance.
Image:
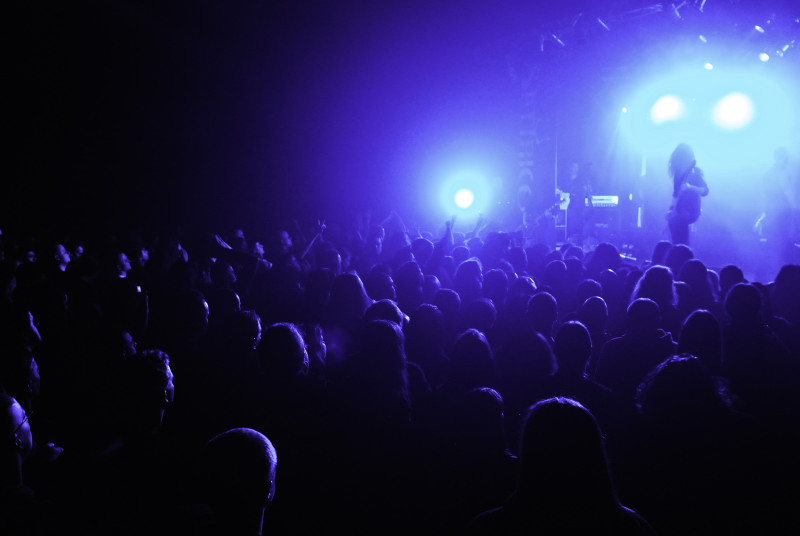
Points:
(688, 187)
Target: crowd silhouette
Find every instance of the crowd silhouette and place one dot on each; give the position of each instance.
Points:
(460, 383)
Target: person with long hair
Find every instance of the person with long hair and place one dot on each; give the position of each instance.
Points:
(688, 186)
(565, 484)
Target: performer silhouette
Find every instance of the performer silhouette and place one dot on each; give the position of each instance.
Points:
(689, 186)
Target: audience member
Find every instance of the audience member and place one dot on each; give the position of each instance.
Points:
(565, 484)
(388, 362)
(624, 361)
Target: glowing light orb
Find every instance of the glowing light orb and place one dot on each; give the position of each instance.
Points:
(624, 110)
(667, 108)
(763, 57)
(464, 198)
(709, 66)
(733, 111)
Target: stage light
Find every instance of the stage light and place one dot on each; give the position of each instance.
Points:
(733, 111)
(466, 192)
(703, 38)
(708, 66)
(667, 108)
(624, 110)
(759, 29)
(763, 57)
(464, 198)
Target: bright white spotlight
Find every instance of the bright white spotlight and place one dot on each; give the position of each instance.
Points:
(733, 111)
(763, 57)
(464, 198)
(624, 109)
(709, 66)
(759, 29)
(667, 108)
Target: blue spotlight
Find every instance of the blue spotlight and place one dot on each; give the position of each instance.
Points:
(667, 108)
(464, 198)
(733, 111)
(466, 193)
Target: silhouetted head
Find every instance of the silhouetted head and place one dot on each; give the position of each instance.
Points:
(555, 273)
(373, 245)
(657, 284)
(660, 251)
(593, 313)
(680, 391)
(468, 279)
(237, 471)
(785, 292)
(518, 258)
(148, 390)
(478, 422)
(192, 314)
(282, 350)
(572, 348)
(694, 272)
(379, 284)
(426, 326)
(480, 314)
(348, 299)
(386, 310)
(381, 360)
(409, 281)
(573, 252)
(430, 286)
(604, 257)
(422, 249)
(448, 301)
(520, 290)
(330, 258)
(495, 286)
(241, 331)
(223, 274)
(701, 336)
(527, 358)
(729, 275)
(681, 160)
(542, 312)
(643, 315)
(563, 460)
(588, 288)
(743, 303)
(472, 361)
(677, 256)
(460, 254)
